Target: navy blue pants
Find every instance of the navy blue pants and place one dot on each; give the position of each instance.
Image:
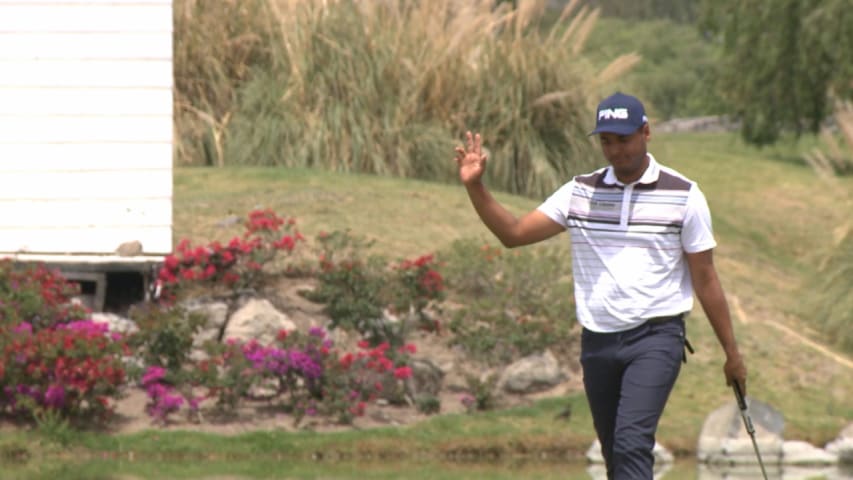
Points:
(628, 377)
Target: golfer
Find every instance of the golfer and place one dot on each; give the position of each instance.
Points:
(642, 244)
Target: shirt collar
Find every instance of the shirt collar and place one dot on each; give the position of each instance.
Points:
(651, 174)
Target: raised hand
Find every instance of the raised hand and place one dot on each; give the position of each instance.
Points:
(471, 160)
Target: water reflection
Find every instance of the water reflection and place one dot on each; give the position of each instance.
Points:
(195, 470)
(774, 472)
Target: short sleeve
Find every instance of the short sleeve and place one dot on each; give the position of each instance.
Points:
(556, 207)
(697, 234)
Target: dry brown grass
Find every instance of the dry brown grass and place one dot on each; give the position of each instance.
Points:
(388, 88)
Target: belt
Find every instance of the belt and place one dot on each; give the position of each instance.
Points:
(687, 346)
(669, 318)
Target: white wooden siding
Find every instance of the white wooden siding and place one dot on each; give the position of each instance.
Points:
(85, 125)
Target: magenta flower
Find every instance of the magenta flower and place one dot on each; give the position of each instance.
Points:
(54, 396)
(24, 327)
(152, 375)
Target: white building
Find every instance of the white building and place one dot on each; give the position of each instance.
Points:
(86, 136)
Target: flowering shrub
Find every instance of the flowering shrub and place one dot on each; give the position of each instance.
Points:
(72, 368)
(165, 335)
(302, 373)
(55, 365)
(513, 303)
(235, 265)
(356, 289)
(348, 283)
(37, 295)
(418, 284)
(163, 401)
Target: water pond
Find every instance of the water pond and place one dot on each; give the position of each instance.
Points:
(245, 470)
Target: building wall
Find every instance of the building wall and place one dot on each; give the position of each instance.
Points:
(85, 125)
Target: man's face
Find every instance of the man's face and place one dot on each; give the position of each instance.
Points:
(626, 153)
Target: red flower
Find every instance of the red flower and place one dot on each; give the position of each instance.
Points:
(171, 262)
(403, 373)
(346, 360)
(286, 243)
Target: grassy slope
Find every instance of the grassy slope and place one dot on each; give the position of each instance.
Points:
(771, 237)
(772, 225)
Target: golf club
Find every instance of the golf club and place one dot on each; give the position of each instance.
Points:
(747, 422)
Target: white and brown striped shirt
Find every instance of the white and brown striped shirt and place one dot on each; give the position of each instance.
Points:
(628, 244)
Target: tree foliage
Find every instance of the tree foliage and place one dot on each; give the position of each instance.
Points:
(782, 60)
(677, 10)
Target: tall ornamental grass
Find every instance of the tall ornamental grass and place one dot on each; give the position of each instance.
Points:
(829, 298)
(390, 87)
(218, 46)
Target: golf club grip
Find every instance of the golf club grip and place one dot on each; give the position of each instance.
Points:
(741, 401)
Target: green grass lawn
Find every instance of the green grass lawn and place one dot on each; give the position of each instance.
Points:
(774, 222)
(773, 217)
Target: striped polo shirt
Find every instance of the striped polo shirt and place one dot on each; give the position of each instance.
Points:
(628, 244)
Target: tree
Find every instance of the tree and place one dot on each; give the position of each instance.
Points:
(676, 10)
(782, 61)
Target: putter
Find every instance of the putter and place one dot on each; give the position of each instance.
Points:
(747, 422)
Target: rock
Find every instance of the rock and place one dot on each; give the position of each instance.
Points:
(426, 378)
(216, 314)
(229, 221)
(724, 440)
(711, 123)
(115, 323)
(804, 453)
(662, 455)
(129, 249)
(842, 446)
(532, 374)
(257, 320)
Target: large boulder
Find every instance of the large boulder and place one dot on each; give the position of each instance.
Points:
(724, 439)
(842, 446)
(257, 320)
(532, 374)
(215, 314)
(806, 454)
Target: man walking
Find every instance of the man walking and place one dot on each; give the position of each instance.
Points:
(642, 245)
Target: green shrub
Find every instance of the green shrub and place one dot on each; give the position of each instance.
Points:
(428, 404)
(348, 283)
(165, 336)
(481, 393)
(512, 303)
(357, 288)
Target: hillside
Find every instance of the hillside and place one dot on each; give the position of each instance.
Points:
(773, 220)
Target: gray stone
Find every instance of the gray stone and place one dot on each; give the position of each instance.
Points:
(724, 440)
(426, 378)
(257, 320)
(842, 446)
(129, 249)
(115, 323)
(216, 314)
(804, 453)
(532, 374)
(662, 455)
